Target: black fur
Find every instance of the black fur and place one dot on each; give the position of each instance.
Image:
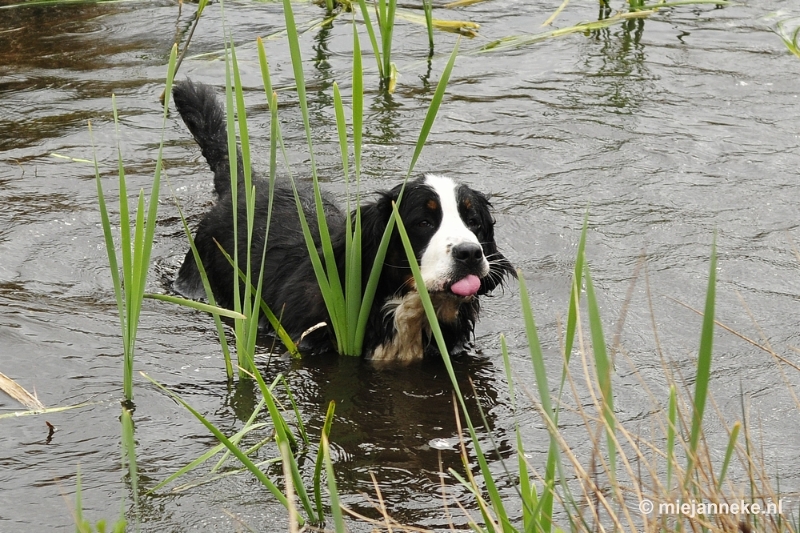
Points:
(290, 287)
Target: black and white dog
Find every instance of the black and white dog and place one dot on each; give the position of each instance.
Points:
(450, 227)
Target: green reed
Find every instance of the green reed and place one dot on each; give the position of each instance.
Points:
(84, 526)
(135, 248)
(231, 446)
(538, 494)
(789, 32)
(703, 374)
(385, 12)
(129, 269)
(347, 304)
(430, 312)
(286, 442)
(427, 7)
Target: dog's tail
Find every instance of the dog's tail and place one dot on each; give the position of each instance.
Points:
(205, 118)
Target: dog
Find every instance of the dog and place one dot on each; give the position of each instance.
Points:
(450, 226)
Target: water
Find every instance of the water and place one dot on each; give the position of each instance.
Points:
(667, 130)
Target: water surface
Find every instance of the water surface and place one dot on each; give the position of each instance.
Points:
(667, 130)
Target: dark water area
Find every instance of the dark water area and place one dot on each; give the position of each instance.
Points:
(668, 130)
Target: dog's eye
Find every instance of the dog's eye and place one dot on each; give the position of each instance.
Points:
(474, 223)
(425, 224)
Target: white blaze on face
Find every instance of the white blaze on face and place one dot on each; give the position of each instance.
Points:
(437, 263)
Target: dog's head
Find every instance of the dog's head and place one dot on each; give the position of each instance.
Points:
(451, 229)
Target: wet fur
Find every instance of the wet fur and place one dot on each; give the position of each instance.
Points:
(397, 330)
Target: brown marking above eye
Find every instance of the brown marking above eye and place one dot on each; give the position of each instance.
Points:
(432, 205)
(467, 203)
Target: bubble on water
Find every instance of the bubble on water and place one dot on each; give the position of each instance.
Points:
(441, 444)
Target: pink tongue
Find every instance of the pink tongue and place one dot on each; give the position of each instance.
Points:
(467, 286)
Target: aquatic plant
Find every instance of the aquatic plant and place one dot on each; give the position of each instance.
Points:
(135, 249)
(622, 462)
(84, 526)
(788, 29)
(629, 471)
(136, 243)
(347, 307)
(628, 482)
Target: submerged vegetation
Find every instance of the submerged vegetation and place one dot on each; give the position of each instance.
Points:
(623, 483)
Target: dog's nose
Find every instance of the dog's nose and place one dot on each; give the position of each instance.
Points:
(469, 253)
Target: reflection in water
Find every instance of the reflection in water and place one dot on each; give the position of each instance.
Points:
(623, 63)
(61, 63)
(426, 78)
(392, 422)
(395, 423)
(383, 127)
(243, 396)
(324, 81)
(21, 30)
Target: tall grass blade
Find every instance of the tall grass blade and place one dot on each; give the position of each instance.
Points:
(129, 456)
(336, 508)
(603, 367)
(540, 373)
(430, 118)
(341, 129)
(125, 251)
(135, 251)
(288, 483)
(575, 297)
(728, 454)
(206, 308)
(244, 139)
(327, 276)
(553, 463)
(300, 426)
(134, 287)
(353, 271)
(261, 476)
(672, 421)
(109, 241)
(354, 282)
(266, 78)
(317, 480)
(274, 140)
(427, 6)
(386, 15)
(483, 505)
(249, 426)
(371, 31)
(433, 108)
(703, 364)
(284, 437)
(358, 107)
(430, 313)
(240, 329)
(528, 495)
(352, 240)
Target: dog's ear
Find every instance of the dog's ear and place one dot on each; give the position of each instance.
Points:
(499, 266)
(375, 216)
